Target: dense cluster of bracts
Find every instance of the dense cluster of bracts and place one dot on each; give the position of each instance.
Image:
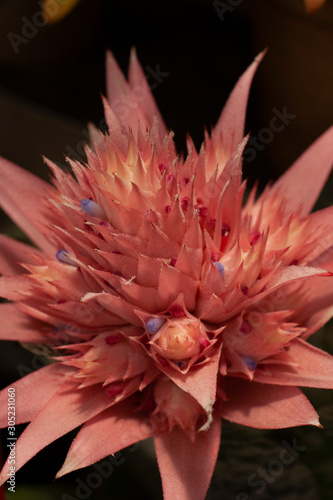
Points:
(161, 297)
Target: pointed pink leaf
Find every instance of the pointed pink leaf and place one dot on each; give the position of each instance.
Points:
(318, 320)
(22, 196)
(13, 287)
(322, 253)
(119, 135)
(17, 326)
(292, 273)
(266, 406)
(303, 182)
(117, 306)
(119, 426)
(33, 392)
(232, 120)
(65, 411)
(12, 253)
(316, 307)
(282, 277)
(200, 383)
(121, 99)
(186, 468)
(138, 80)
(116, 84)
(314, 368)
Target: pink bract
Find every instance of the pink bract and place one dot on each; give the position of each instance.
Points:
(165, 303)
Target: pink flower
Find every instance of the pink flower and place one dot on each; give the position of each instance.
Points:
(164, 302)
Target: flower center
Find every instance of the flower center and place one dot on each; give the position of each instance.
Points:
(181, 338)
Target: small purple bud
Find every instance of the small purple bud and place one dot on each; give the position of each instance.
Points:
(92, 208)
(250, 362)
(64, 257)
(154, 324)
(60, 328)
(219, 267)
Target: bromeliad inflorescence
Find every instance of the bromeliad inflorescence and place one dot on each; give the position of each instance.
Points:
(164, 298)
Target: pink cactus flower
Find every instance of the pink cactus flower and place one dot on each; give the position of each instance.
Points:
(166, 304)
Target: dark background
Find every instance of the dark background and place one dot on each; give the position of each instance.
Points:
(50, 89)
